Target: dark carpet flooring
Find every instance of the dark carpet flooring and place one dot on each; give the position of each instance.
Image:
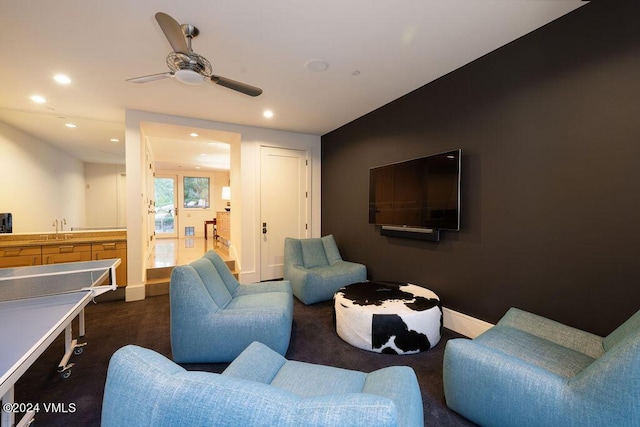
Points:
(112, 324)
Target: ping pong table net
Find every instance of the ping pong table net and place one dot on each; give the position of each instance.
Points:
(13, 288)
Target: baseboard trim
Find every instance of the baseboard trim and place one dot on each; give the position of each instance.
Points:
(464, 324)
(134, 292)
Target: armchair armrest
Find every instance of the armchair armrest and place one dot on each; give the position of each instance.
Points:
(558, 333)
(474, 375)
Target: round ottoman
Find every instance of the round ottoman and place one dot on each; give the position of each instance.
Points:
(388, 317)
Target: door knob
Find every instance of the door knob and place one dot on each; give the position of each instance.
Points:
(264, 228)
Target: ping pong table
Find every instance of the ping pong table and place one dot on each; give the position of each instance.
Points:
(36, 304)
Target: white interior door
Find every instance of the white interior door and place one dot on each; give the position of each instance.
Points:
(284, 205)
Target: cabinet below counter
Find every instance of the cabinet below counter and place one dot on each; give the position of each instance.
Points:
(26, 250)
(18, 256)
(68, 252)
(110, 250)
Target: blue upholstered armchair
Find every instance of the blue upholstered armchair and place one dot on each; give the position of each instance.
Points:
(259, 388)
(532, 371)
(316, 270)
(214, 318)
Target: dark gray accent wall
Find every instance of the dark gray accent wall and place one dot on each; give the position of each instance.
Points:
(549, 127)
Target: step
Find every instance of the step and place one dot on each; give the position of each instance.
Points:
(158, 279)
(158, 273)
(156, 287)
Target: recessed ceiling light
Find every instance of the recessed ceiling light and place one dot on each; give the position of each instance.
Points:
(193, 134)
(114, 140)
(268, 114)
(316, 65)
(38, 99)
(70, 125)
(62, 79)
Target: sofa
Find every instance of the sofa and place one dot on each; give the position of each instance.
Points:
(259, 388)
(528, 370)
(316, 270)
(214, 318)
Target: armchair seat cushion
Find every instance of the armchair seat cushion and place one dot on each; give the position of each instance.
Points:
(344, 269)
(296, 377)
(260, 302)
(263, 287)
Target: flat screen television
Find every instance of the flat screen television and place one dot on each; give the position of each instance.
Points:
(422, 193)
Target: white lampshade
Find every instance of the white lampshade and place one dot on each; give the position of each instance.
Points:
(226, 193)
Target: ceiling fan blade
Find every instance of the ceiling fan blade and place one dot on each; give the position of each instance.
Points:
(150, 77)
(173, 32)
(235, 85)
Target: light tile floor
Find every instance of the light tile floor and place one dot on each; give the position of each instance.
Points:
(172, 252)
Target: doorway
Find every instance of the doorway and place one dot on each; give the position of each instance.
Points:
(166, 211)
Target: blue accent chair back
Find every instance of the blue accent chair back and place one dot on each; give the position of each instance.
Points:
(532, 371)
(214, 318)
(259, 388)
(316, 270)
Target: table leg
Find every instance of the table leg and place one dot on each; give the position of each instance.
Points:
(81, 323)
(7, 417)
(71, 346)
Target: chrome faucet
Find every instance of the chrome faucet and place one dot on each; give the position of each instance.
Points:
(62, 224)
(55, 224)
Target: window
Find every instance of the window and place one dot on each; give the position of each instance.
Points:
(196, 192)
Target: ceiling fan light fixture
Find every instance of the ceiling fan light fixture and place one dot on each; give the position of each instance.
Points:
(189, 77)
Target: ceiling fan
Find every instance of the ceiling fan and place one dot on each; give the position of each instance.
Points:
(186, 65)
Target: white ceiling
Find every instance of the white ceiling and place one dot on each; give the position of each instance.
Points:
(376, 52)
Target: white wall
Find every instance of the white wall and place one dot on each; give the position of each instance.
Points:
(39, 183)
(104, 201)
(245, 216)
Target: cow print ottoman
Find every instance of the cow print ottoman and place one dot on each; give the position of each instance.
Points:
(388, 317)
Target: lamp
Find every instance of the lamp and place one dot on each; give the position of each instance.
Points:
(226, 195)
